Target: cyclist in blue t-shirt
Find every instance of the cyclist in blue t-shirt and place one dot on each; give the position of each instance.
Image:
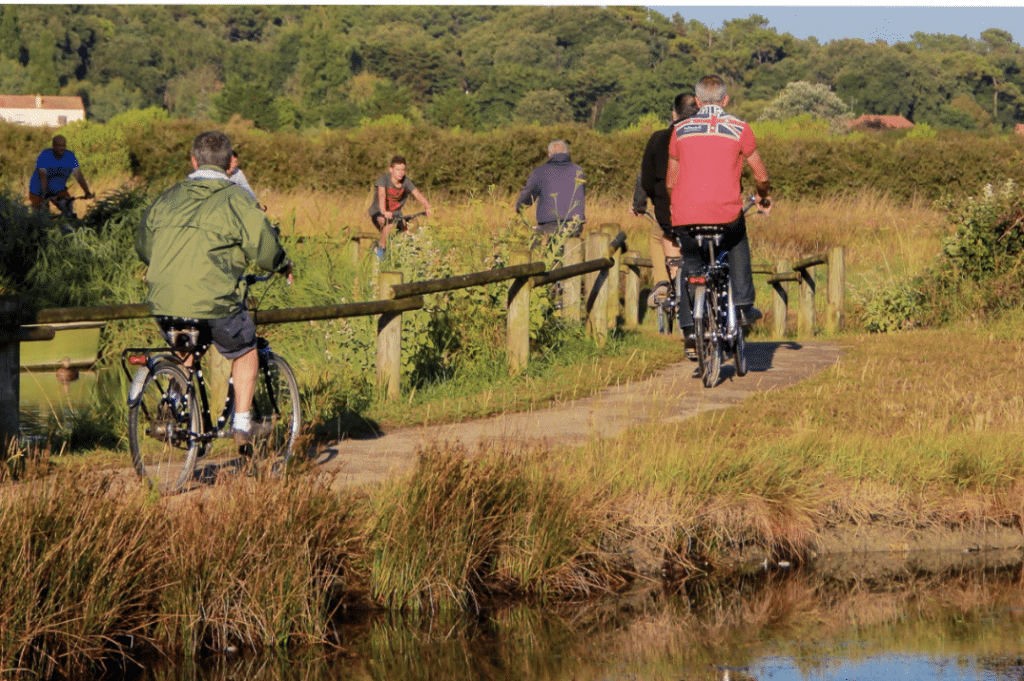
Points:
(50, 178)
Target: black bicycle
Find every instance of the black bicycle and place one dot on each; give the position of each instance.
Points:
(169, 423)
(66, 206)
(666, 307)
(716, 328)
(402, 221)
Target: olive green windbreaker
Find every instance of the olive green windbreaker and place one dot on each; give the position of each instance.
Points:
(197, 238)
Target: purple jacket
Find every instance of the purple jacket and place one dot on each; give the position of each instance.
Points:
(558, 187)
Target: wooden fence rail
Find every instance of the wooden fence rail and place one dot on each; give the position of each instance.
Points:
(601, 309)
(778, 276)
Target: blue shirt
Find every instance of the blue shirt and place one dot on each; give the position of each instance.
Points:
(58, 170)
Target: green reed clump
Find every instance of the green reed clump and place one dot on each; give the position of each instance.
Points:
(459, 529)
(94, 265)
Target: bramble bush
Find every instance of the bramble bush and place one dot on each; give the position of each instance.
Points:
(979, 272)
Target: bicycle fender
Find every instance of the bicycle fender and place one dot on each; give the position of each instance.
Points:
(699, 294)
(135, 389)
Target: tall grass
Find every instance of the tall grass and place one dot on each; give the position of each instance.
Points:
(96, 571)
(464, 528)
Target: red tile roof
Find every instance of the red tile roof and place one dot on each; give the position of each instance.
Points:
(881, 122)
(46, 101)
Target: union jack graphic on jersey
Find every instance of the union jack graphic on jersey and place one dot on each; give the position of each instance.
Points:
(711, 120)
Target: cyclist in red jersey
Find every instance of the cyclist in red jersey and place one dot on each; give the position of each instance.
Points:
(705, 165)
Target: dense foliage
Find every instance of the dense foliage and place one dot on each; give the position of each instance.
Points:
(978, 274)
(476, 67)
(804, 157)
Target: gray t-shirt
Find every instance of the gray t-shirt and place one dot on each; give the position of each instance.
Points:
(394, 197)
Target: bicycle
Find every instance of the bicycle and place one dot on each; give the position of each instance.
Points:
(716, 329)
(666, 310)
(169, 422)
(65, 205)
(402, 221)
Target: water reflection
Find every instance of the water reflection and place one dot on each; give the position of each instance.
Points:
(50, 400)
(954, 624)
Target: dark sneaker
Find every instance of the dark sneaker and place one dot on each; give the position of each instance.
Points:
(658, 294)
(747, 315)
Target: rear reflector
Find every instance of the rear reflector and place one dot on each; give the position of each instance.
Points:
(137, 360)
(697, 280)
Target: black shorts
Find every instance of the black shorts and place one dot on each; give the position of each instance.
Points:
(232, 336)
(395, 217)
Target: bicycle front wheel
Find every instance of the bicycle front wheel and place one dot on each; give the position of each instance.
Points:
(163, 429)
(276, 410)
(709, 339)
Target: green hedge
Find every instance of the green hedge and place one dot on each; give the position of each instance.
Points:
(460, 162)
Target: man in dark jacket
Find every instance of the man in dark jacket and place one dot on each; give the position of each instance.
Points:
(197, 239)
(559, 188)
(650, 184)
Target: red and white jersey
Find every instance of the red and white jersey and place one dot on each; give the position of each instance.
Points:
(710, 147)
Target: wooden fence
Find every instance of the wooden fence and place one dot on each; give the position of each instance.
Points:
(596, 267)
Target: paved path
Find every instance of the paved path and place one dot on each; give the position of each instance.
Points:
(672, 394)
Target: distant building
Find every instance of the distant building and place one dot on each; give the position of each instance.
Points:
(873, 122)
(52, 110)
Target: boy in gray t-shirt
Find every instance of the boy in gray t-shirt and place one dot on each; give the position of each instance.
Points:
(390, 192)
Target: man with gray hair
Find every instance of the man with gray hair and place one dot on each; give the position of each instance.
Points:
(705, 165)
(197, 239)
(559, 188)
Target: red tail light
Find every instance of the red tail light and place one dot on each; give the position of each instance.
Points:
(697, 280)
(137, 360)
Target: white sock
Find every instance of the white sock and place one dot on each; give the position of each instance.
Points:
(242, 422)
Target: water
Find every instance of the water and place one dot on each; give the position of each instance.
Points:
(952, 625)
(50, 405)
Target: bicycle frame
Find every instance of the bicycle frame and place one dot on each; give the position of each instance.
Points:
(184, 350)
(715, 275)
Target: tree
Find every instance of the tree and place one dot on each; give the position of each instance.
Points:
(543, 107)
(10, 35)
(454, 109)
(801, 97)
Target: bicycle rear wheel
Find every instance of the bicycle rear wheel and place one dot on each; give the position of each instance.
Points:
(164, 429)
(276, 410)
(741, 354)
(709, 338)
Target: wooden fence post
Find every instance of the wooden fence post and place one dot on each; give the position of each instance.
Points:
(597, 289)
(517, 344)
(614, 283)
(780, 301)
(836, 312)
(367, 242)
(10, 366)
(389, 340)
(805, 324)
(572, 288)
(354, 254)
(631, 296)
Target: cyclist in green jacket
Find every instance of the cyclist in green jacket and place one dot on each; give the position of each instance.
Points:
(197, 239)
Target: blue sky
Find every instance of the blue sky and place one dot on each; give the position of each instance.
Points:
(868, 22)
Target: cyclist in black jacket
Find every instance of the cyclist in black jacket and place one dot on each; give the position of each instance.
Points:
(650, 184)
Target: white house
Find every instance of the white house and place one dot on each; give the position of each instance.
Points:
(51, 110)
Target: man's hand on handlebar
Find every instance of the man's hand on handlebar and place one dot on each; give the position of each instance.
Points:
(288, 273)
(764, 205)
